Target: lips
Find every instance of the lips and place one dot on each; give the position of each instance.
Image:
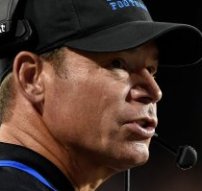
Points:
(142, 128)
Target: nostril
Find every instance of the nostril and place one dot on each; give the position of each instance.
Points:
(139, 95)
(145, 100)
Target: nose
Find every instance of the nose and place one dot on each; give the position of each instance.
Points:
(154, 90)
(145, 88)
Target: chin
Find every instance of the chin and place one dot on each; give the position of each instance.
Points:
(141, 154)
(127, 164)
(142, 161)
(139, 161)
(138, 157)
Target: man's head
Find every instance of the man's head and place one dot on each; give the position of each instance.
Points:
(98, 105)
(83, 74)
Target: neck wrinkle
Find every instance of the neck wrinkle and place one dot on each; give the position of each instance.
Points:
(33, 133)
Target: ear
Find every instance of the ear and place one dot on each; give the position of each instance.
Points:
(27, 71)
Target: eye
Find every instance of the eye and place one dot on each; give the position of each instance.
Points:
(118, 64)
(152, 70)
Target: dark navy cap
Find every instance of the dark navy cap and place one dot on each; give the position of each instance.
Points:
(96, 26)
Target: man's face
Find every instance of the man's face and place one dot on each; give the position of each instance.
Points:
(104, 105)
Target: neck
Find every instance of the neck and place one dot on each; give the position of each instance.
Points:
(84, 174)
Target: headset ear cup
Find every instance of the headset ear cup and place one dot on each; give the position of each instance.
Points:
(22, 35)
(7, 12)
(15, 33)
(21, 40)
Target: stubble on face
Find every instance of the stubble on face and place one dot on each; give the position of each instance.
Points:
(91, 105)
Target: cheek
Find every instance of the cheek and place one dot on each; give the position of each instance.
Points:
(88, 112)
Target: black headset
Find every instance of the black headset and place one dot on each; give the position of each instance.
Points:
(15, 33)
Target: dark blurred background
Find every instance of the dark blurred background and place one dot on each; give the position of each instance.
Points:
(180, 115)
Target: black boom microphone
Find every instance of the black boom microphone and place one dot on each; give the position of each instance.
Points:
(186, 156)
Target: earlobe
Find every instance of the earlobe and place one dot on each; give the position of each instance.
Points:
(27, 71)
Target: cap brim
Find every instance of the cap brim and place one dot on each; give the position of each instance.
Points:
(180, 44)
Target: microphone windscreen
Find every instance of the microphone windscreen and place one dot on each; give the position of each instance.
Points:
(186, 157)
